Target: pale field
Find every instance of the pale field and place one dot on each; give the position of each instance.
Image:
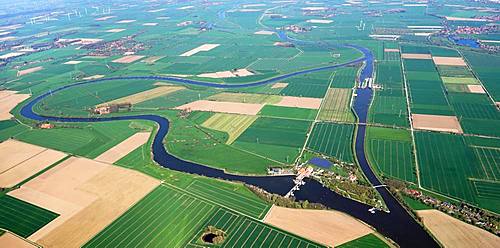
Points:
(327, 227)
(454, 233)
(128, 59)
(223, 107)
(145, 95)
(245, 98)
(73, 62)
(93, 77)
(319, 21)
(125, 21)
(125, 147)
(440, 123)
(474, 88)
(152, 59)
(10, 240)
(264, 32)
(391, 50)
(104, 18)
(415, 56)
(14, 152)
(88, 195)
(459, 80)
(337, 106)
(453, 61)
(226, 74)
(279, 85)
(299, 102)
(28, 71)
(233, 125)
(115, 30)
(9, 102)
(202, 48)
(150, 24)
(28, 167)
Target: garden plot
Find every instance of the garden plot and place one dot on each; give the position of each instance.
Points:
(22, 160)
(8, 101)
(330, 228)
(202, 48)
(87, 195)
(440, 123)
(223, 107)
(299, 102)
(125, 147)
(451, 61)
(233, 125)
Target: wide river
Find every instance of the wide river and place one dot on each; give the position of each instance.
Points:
(397, 224)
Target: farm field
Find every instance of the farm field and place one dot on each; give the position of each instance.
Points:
(21, 217)
(288, 112)
(191, 216)
(80, 139)
(390, 150)
(245, 98)
(322, 140)
(278, 139)
(233, 125)
(370, 240)
(337, 106)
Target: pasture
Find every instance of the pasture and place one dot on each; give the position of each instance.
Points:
(333, 139)
(390, 150)
(21, 217)
(337, 106)
(233, 125)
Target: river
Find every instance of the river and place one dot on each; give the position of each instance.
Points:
(397, 224)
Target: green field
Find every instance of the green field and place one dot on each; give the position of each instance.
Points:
(278, 139)
(169, 217)
(89, 140)
(334, 140)
(390, 150)
(233, 125)
(21, 217)
(288, 112)
(450, 167)
(368, 241)
(245, 98)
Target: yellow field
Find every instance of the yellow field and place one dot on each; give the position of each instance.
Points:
(145, 95)
(245, 98)
(232, 124)
(336, 106)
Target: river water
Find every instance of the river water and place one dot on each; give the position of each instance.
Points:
(397, 225)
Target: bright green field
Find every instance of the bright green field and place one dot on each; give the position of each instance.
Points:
(21, 217)
(390, 151)
(288, 112)
(368, 241)
(89, 140)
(334, 140)
(170, 217)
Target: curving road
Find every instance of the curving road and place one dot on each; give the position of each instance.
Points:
(397, 225)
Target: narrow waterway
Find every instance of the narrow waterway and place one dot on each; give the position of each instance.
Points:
(397, 225)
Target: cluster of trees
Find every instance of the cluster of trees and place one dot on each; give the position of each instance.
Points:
(282, 201)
